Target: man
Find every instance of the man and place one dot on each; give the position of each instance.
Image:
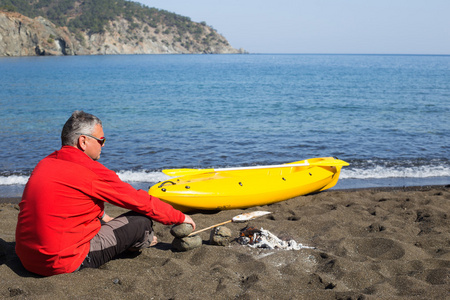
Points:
(62, 226)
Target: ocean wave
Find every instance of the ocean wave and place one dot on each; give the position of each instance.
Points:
(379, 172)
(375, 172)
(142, 176)
(14, 180)
(127, 176)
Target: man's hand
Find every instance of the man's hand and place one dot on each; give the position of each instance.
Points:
(106, 218)
(188, 220)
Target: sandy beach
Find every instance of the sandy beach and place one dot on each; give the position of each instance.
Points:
(387, 243)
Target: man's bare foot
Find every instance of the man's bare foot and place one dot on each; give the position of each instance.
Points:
(154, 241)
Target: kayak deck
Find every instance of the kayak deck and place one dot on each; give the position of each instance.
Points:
(245, 188)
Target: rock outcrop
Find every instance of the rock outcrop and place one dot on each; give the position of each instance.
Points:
(23, 36)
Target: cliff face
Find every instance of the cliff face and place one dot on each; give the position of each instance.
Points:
(22, 36)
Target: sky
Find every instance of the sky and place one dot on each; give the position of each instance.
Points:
(323, 26)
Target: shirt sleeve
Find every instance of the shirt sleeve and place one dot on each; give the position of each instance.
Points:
(109, 188)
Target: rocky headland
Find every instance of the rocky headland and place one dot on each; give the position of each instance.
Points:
(24, 36)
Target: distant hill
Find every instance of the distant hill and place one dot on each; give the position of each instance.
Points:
(73, 27)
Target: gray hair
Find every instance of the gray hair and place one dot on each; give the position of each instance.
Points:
(79, 123)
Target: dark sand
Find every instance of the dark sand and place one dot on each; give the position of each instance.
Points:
(371, 244)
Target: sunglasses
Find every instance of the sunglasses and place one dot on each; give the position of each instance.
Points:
(101, 140)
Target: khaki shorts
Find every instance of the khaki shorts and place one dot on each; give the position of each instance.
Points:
(130, 231)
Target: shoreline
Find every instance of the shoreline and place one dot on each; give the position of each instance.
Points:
(16, 200)
(371, 243)
(395, 188)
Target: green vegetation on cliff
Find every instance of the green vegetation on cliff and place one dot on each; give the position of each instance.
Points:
(92, 16)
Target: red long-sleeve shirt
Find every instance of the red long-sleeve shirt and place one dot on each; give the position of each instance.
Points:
(61, 206)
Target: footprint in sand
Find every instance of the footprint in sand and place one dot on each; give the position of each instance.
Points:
(379, 248)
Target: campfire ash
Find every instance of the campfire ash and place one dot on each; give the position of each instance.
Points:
(260, 238)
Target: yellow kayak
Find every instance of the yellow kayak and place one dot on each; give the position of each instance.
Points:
(220, 189)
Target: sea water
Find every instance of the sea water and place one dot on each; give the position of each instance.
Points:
(387, 115)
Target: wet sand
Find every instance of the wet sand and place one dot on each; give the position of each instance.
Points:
(386, 243)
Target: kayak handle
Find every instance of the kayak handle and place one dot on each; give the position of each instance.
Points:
(164, 183)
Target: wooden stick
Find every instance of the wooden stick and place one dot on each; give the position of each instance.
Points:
(239, 218)
(204, 229)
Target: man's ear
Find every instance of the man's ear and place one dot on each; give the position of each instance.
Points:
(82, 142)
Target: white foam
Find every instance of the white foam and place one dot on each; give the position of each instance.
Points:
(127, 176)
(375, 172)
(14, 180)
(378, 172)
(142, 176)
